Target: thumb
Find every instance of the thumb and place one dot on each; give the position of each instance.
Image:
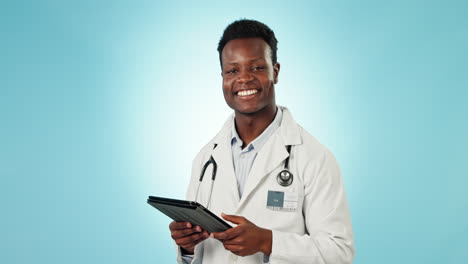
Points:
(234, 218)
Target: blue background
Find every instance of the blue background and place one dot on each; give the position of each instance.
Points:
(103, 103)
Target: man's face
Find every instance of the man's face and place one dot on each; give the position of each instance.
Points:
(249, 75)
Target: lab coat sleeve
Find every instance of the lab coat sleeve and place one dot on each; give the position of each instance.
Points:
(329, 237)
(190, 195)
(197, 258)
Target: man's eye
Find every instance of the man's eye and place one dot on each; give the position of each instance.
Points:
(258, 68)
(231, 71)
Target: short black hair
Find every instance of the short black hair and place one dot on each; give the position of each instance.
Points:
(247, 28)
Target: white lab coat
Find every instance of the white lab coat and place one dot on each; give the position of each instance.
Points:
(319, 231)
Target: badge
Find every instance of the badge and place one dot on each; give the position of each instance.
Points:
(282, 201)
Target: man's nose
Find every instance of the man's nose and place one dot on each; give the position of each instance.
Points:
(244, 77)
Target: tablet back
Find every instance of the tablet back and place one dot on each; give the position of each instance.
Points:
(188, 211)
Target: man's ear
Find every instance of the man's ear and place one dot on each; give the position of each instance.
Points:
(276, 70)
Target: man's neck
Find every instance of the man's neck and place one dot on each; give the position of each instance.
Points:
(250, 126)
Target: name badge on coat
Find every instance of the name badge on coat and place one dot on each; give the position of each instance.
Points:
(282, 201)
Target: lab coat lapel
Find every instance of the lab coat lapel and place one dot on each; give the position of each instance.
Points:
(223, 156)
(268, 158)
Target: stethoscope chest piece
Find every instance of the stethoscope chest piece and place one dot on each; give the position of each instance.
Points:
(285, 178)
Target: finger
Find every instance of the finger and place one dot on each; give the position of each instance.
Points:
(179, 225)
(228, 234)
(176, 234)
(188, 239)
(236, 249)
(236, 241)
(234, 218)
(203, 237)
(191, 246)
(191, 241)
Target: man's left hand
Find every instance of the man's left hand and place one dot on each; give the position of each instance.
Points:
(246, 238)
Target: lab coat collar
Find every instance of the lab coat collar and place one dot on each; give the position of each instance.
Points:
(225, 132)
(289, 129)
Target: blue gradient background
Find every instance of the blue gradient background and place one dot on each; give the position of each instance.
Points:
(103, 103)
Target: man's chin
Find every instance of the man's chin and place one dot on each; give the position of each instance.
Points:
(245, 110)
(248, 110)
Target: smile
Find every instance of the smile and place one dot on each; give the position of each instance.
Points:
(247, 92)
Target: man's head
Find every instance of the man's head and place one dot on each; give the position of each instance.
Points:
(246, 28)
(249, 68)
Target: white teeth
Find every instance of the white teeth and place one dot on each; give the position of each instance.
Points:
(246, 92)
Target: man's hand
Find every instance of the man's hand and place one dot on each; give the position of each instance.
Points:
(186, 236)
(246, 238)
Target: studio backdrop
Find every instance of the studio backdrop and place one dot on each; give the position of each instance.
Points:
(103, 103)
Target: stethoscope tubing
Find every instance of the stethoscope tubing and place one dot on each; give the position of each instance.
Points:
(213, 177)
(284, 178)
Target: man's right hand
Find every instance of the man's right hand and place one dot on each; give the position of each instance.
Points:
(187, 236)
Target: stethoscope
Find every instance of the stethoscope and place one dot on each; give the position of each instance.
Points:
(284, 178)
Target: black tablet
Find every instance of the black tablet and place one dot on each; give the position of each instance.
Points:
(188, 211)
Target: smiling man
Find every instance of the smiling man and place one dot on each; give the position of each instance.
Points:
(280, 187)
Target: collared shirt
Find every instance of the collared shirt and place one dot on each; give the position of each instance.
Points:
(243, 159)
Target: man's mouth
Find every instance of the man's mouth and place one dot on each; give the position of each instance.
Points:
(247, 92)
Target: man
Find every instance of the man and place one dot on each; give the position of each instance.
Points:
(277, 183)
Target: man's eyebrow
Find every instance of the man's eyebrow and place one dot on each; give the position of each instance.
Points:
(256, 59)
(252, 60)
